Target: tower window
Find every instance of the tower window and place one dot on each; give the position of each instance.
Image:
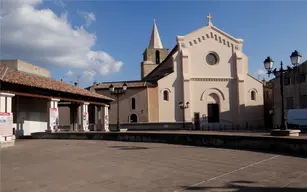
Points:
(165, 95)
(157, 57)
(133, 103)
(253, 95)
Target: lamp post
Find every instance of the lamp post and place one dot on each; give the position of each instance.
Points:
(118, 92)
(268, 65)
(183, 107)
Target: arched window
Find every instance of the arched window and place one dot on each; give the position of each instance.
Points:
(253, 95)
(165, 95)
(133, 103)
(157, 57)
(133, 118)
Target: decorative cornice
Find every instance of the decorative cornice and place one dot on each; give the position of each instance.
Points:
(211, 79)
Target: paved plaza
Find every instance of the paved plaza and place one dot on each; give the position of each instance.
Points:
(109, 166)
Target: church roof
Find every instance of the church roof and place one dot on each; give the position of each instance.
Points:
(155, 41)
(130, 84)
(163, 68)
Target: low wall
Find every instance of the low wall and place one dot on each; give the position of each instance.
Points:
(152, 126)
(286, 145)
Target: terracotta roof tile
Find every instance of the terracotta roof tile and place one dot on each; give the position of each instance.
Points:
(22, 78)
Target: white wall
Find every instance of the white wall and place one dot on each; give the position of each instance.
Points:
(228, 79)
(254, 108)
(32, 115)
(169, 110)
(199, 50)
(201, 90)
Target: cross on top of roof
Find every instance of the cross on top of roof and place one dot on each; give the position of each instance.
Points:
(209, 17)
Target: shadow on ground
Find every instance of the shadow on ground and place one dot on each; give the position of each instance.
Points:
(128, 147)
(242, 186)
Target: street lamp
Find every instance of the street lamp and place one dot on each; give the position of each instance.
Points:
(268, 65)
(183, 107)
(118, 92)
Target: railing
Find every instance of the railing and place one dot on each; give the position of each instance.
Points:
(227, 125)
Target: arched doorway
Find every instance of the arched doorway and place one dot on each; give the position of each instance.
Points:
(133, 118)
(213, 108)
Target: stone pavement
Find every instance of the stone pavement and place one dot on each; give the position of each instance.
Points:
(109, 166)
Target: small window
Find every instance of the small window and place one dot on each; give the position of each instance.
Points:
(165, 95)
(133, 103)
(157, 57)
(287, 81)
(302, 78)
(253, 95)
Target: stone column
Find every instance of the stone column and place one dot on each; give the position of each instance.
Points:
(74, 117)
(97, 118)
(105, 115)
(84, 119)
(6, 120)
(53, 115)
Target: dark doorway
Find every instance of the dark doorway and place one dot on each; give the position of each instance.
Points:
(133, 118)
(196, 121)
(213, 113)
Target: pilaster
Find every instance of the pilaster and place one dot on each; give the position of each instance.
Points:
(185, 73)
(240, 72)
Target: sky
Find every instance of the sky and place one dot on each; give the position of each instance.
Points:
(100, 40)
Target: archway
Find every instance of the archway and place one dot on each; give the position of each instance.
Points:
(213, 107)
(133, 118)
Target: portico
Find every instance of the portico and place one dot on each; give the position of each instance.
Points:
(35, 102)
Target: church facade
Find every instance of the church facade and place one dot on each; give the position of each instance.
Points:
(206, 71)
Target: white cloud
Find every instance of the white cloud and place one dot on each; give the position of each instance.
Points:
(69, 73)
(89, 75)
(88, 16)
(42, 37)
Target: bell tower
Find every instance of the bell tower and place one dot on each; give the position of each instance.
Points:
(154, 54)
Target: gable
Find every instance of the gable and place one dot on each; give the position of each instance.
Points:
(210, 32)
(211, 52)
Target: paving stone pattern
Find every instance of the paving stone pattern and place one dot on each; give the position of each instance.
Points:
(109, 166)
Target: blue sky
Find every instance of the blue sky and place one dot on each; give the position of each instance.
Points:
(122, 29)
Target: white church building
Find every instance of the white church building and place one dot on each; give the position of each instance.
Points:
(206, 71)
